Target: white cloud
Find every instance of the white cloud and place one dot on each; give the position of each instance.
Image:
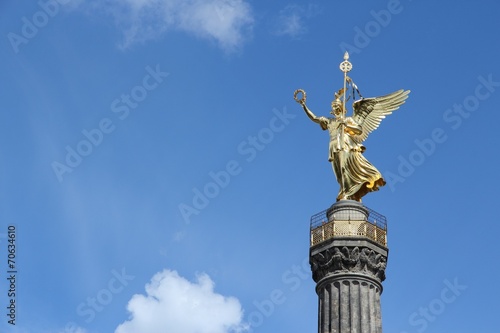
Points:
(227, 22)
(290, 20)
(176, 305)
(219, 19)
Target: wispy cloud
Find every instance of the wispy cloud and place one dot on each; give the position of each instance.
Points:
(227, 22)
(74, 329)
(291, 20)
(174, 304)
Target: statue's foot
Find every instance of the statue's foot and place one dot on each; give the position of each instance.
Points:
(345, 197)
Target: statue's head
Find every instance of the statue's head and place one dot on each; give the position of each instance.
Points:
(336, 107)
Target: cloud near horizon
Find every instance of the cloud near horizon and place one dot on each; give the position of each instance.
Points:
(176, 305)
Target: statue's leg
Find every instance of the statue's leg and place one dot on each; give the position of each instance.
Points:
(339, 169)
(352, 182)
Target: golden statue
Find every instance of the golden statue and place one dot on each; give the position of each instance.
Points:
(355, 175)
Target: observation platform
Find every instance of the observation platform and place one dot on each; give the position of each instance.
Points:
(346, 219)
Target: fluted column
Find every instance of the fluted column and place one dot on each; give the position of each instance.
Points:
(349, 305)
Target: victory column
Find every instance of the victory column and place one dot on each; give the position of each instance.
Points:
(348, 249)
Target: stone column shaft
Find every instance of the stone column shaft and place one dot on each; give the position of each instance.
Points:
(349, 305)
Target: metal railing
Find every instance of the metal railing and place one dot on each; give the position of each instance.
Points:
(348, 223)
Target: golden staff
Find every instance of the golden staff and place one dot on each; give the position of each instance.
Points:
(345, 67)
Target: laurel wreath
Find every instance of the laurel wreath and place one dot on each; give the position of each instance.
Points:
(302, 99)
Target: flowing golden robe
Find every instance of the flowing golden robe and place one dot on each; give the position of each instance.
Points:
(355, 175)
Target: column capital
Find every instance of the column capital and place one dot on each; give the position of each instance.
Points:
(341, 259)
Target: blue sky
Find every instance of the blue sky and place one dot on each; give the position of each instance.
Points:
(155, 164)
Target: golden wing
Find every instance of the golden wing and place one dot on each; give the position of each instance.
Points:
(369, 112)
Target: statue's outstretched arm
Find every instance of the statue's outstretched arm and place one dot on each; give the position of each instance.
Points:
(310, 114)
(322, 121)
(302, 101)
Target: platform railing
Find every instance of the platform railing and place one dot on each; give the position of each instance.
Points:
(374, 227)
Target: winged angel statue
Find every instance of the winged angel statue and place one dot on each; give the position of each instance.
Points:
(355, 174)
